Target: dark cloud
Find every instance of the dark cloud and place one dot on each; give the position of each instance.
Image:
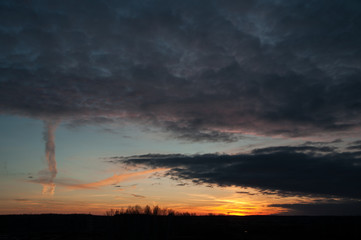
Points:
(358, 142)
(138, 196)
(322, 143)
(182, 184)
(348, 207)
(21, 200)
(297, 149)
(245, 192)
(356, 145)
(299, 170)
(203, 70)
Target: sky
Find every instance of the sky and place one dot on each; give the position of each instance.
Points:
(225, 107)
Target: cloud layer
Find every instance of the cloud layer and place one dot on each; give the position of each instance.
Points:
(202, 70)
(300, 170)
(348, 208)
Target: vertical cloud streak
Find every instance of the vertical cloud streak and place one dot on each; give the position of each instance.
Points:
(49, 138)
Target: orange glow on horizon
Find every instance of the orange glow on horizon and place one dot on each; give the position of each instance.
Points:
(99, 208)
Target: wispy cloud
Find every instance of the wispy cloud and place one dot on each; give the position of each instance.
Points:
(138, 196)
(22, 200)
(49, 138)
(115, 179)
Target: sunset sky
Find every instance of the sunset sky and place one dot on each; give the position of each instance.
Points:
(227, 107)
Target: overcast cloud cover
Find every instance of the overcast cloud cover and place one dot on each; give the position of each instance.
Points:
(202, 71)
(193, 68)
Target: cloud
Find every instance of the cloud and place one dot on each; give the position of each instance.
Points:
(115, 179)
(46, 177)
(138, 196)
(200, 70)
(347, 207)
(245, 192)
(76, 184)
(356, 145)
(284, 170)
(21, 200)
(49, 138)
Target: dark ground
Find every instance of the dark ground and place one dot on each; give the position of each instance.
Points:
(177, 227)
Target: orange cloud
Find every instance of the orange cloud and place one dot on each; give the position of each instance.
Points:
(115, 179)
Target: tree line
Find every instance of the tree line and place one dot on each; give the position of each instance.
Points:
(147, 210)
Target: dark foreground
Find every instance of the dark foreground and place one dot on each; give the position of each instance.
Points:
(177, 227)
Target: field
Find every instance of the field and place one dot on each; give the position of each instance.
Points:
(150, 227)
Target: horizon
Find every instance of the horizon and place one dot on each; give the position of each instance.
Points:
(211, 107)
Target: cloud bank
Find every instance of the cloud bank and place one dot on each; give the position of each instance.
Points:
(201, 70)
(346, 207)
(298, 170)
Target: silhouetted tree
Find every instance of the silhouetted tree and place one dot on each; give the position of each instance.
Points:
(147, 210)
(170, 212)
(136, 210)
(156, 210)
